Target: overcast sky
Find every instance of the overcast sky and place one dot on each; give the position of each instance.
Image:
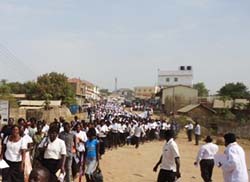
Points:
(99, 40)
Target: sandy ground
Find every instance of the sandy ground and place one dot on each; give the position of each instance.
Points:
(127, 164)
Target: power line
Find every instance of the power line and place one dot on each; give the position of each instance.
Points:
(19, 67)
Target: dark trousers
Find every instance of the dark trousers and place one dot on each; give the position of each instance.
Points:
(206, 167)
(52, 165)
(166, 176)
(137, 140)
(197, 138)
(13, 173)
(189, 133)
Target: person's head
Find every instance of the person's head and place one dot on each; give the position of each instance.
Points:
(91, 133)
(208, 139)
(53, 133)
(11, 121)
(78, 127)
(169, 134)
(39, 175)
(33, 122)
(229, 138)
(21, 130)
(15, 130)
(39, 127)
(66, 127)
(21, 122)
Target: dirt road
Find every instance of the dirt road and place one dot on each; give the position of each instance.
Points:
(135, 165)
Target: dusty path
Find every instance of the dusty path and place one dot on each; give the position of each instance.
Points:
(130, 165)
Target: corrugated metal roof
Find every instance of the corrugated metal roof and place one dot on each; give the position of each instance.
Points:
(188, 108)
(193, 106)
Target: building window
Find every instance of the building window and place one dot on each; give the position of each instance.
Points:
(167, 79)
(176, 79)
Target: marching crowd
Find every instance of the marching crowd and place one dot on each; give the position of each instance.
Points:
(72, 148)
(66, 151)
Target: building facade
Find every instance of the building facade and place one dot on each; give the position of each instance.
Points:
(145, 92)
(84, 90)
(183, 76)
(175, 97)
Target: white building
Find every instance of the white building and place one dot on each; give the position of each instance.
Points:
(183, 76)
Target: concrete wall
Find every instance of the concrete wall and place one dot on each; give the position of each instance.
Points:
(41, 114)
(188, 94)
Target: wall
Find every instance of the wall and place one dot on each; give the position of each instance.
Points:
(188, 94)
(41, 114)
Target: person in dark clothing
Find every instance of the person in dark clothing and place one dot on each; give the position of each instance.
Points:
(6, 130)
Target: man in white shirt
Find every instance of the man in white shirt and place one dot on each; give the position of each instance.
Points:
(170, 160)
(205, 158)
(234, 168)
(189, 128)
(197, 133)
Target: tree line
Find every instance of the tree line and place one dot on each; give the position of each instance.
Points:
(49, 86)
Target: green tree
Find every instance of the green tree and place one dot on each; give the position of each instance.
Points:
(202, 90)
(235, 91)
(17, 87)
(56, 85)
(5, 94)
(31, 90)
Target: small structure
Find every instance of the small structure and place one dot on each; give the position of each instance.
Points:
(196, 111)
(237, 104)
(175, 97)
(145, 92)
(38, 104)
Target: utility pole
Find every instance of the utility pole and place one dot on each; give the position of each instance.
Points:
(116, 83)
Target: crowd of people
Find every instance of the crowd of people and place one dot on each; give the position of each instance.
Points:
(73, 148)
(66, 151)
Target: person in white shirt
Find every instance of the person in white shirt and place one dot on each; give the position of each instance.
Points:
(55, 151)
(13, 151)
(189, 128)
(197, 133)
(205, 158)
(170, 160)
(234, 168)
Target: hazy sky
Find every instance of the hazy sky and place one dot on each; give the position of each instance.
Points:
(99, 40)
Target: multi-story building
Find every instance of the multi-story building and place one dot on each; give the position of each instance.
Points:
(183, 76)
(84, 90)
(145, 92)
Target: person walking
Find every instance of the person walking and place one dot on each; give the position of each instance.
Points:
(197, 133)
(189, 128)
(169, 160)
(234, 167)
(205, 158)
(13, 151)
(54, 151)
(69, 140)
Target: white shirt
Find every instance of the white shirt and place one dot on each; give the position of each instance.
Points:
(83, 137)
(235, 169)
(45, 129)
(27, 139)
(170, 152)
(197, 130)
(207, 151)
(190, 126)
(13, 149)
(103, 131)
(55, 149)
